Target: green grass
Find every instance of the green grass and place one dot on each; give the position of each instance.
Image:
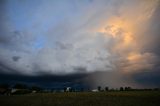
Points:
(125, 98)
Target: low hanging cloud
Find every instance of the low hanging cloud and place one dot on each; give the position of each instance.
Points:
(72, 37)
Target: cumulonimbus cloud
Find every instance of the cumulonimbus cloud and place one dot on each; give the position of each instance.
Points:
(69, 37)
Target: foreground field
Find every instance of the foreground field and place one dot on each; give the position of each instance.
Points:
(125, 98)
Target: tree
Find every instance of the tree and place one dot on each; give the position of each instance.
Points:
(128, 88)
(65, 89)
(106, 88)
(99, 88)
(121, 89)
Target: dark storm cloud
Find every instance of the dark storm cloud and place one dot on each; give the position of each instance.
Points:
(148, 79)
(42, 78)
(50, 81)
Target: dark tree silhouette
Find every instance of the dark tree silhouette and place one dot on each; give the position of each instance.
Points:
(106, 88)
(128, 88)
(64, 89)
(121, 89)
(99, 88)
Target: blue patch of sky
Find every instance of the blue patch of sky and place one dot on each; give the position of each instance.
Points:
(20, 13)
(39, 43)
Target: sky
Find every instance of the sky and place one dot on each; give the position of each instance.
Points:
(86, 42)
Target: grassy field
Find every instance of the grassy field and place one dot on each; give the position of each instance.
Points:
(123, 98)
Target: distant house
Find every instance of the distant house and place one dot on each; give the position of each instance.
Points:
(20, 91)
(68, 89)
(34, 91)
(95, 90)
(14, 90)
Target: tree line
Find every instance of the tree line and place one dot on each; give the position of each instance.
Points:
(19, 88)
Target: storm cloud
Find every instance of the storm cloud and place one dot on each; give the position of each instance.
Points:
(118, 38)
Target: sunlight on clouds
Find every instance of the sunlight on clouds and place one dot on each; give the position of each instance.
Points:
(140, 62)
(119, 29)
(134, 56)
(125, 31)
(128, 38)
